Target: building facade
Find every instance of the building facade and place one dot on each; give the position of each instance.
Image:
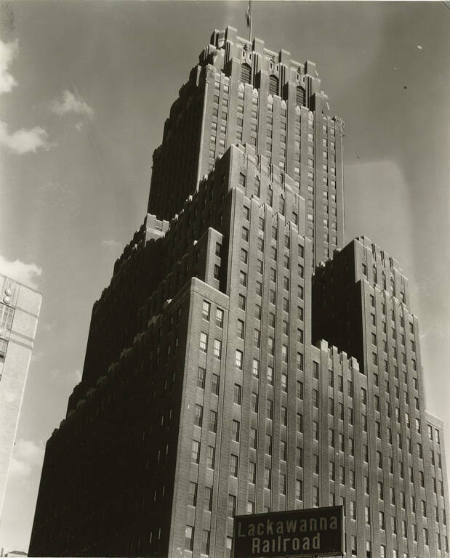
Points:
(19, 312)
(238, 374)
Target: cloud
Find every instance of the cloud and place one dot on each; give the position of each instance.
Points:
(7, 53)
(71, 103)
(24, 141)
(26, 273)
(27, 454)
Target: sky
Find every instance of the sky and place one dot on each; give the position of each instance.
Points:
(85, 88)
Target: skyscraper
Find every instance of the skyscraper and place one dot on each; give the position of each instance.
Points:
(19, 312)
(228, 370)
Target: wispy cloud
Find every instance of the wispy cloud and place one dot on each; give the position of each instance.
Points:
(27, 273)
(71, 103)
(24, 141)
(27, 454)
(7, 53)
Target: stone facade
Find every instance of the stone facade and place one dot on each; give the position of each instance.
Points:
(19, 312)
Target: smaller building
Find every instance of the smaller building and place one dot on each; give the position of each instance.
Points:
(19, 312)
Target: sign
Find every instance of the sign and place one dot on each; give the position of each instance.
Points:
(313, 532)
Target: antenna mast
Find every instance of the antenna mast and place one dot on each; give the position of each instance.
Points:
(248, 17)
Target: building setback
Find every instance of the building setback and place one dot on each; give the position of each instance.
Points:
(225, 372)
(19, 312)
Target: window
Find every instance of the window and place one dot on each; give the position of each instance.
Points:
(198, 415)
(315, 425)
(252, 472)
(283, 450)
(269, 409)
(298, 489)
(299, 422)
(237, 394)
(283, 483)
(241, 302)
(270, 375)
(364, 396)
(379, 459)
(215, 384)
(195, 453)
(219, 323)
(201, 374)
(211, 457)
(267, 478)
(192, 494)
(233, 465)
(203, 342)
(217, 348)
(208, 498)
(315, 370)
(269, 444)
(254, 402)
(213, 421)
(189, 538)
(246, 73)
(255, 368)
(231, 505)
(236, 427)
(240, 329)
(253, 438)
(284, 415)
(229, 544)
(316, 464)
(239, 358)
(206, 310)
(273, 85)
(205, 542)
(315, 496)
(315, 395)
(300, 96)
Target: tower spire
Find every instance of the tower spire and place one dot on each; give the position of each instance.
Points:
(248, 17)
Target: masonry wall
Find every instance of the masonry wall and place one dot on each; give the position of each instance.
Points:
(241, 92)
(19, 312)
(385, 337)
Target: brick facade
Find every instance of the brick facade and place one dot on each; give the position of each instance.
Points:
(225, 372)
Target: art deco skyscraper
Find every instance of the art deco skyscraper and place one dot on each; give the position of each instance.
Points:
(203, 394)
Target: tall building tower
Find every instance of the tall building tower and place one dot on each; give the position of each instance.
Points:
(213, 383)
(19, 312)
